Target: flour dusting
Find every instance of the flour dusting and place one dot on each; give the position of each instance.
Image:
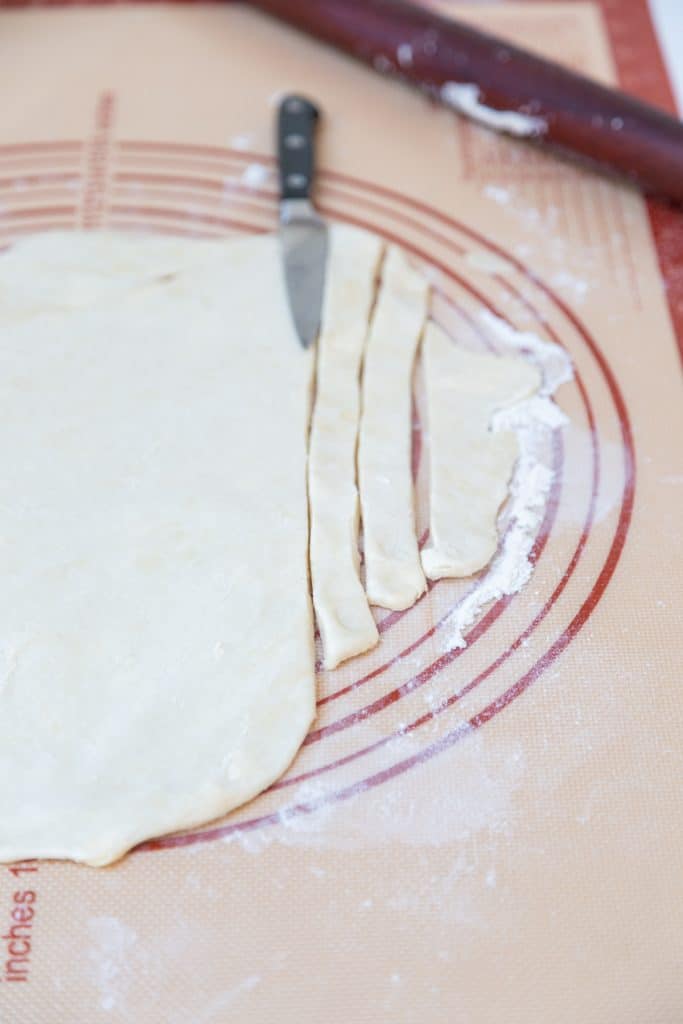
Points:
(111, 942)
(210, 1013)
(533, 421)
(465, 98)
(255, 175)
(498, 194)
(485, 262)
(404, 55)
(551, 359)
(482, 805)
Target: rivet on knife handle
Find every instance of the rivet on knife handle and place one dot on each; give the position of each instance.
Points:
(303, 233)
(296, 128)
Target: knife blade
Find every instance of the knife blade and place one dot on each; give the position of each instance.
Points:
(303, 233)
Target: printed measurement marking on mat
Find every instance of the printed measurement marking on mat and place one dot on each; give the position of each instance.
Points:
(18, 920)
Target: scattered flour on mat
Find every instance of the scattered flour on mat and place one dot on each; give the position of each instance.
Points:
(486, 262)
(210, 1013)
(255, 175)
(570, 282)
(552, 360)
(478, 810)
(111, 942)
(533, 421)
(499, 194)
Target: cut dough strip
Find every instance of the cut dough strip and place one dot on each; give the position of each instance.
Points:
(394, 576)
(470, 466)
(344, 618)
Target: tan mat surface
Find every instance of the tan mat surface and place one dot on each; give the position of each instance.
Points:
(468, 837)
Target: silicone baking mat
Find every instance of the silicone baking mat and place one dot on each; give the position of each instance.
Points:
(469, 835)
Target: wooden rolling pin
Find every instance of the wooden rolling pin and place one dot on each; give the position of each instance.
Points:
(501, 85)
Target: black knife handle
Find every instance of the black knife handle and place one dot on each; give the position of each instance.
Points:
(296, 122)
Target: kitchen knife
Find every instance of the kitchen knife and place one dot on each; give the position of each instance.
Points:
(303, 233)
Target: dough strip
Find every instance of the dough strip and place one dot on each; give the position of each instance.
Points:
(393, 571)
(470, 466)
(344, 617)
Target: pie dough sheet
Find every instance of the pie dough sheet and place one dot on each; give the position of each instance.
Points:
(65, 270)
(156, 633)
(393, 572)
(470, 465)
(342, 611)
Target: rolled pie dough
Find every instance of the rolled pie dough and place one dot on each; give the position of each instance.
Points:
(156, 633)
(470, 465)
(393, 573)
(156, 629)
(341, 607)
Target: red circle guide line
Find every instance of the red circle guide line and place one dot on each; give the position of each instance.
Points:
(494, 612)
(351, 719)
(481, 627)
(483, 716)
(216, 187)
(557, 647)
(517, 688)
(427, 674)
(33, 148)
(21, 182)
(489, 619)
(164, 213)
(37, 212)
